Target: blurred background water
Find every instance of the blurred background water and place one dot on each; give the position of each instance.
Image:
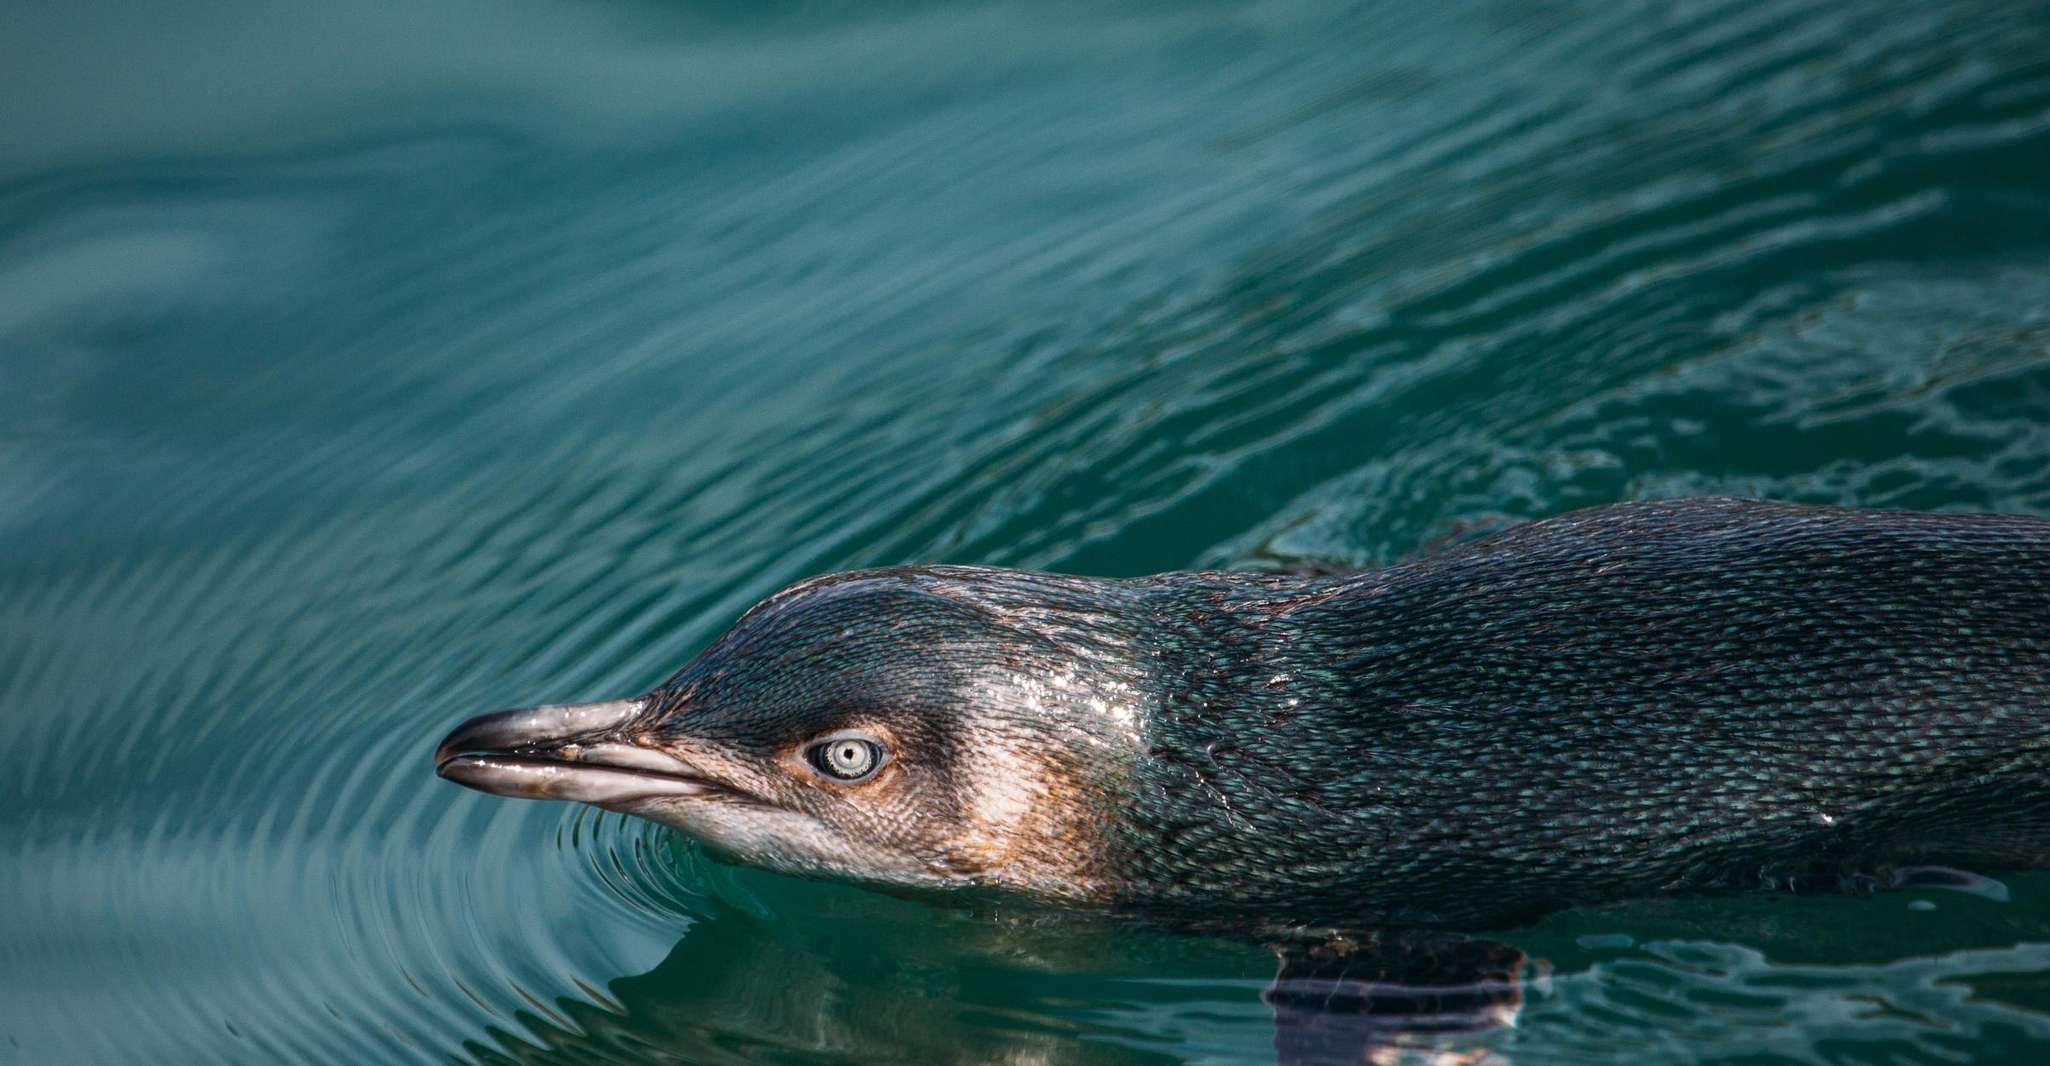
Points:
(367, 365)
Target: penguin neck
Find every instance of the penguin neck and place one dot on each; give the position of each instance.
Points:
(1228, 652)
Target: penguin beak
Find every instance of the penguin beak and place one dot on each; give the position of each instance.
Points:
(577, 751)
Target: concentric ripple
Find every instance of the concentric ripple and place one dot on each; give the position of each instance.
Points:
(364, 374)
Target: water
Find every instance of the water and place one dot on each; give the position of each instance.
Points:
(367, 366)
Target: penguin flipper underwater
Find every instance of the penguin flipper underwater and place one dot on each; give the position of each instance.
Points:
(1379, 995)
(1375, 995)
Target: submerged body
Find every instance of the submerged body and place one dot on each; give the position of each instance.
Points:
(1642, 699)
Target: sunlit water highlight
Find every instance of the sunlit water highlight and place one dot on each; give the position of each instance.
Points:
(369, 366)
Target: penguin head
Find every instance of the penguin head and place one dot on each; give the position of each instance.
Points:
(919, 728)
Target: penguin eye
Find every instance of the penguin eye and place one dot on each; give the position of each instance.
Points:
(848, 757)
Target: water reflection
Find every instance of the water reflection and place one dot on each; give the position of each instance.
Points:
(774, 970)
(771, 969)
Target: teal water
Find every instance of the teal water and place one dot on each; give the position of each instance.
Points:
(364, 366)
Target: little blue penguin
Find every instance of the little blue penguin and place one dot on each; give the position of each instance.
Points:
(1649, 698)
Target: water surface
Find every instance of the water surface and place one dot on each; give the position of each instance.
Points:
(367, 366)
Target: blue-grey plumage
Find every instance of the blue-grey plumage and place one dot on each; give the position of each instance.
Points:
(1647, 698)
